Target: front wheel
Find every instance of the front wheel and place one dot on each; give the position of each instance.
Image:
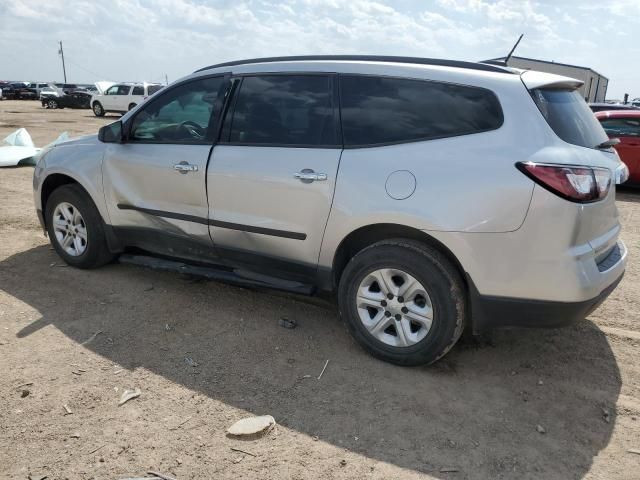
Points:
(403, 301)
(98, 111)
(75, 228)
(52, 104)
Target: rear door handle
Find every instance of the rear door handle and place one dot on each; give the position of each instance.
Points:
(307, 176)
(184, 167)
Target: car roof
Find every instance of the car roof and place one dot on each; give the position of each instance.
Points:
(365, 58)
(618, 114)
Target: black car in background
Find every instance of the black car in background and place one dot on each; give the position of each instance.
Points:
(17, 91)
(73, 99)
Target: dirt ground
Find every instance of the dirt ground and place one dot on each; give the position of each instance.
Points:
(205, 354)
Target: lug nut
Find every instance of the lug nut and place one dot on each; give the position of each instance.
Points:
(390, 296)
(405, 310)
(398, 317)
(383, 303)
(401, 299)
(387, 313)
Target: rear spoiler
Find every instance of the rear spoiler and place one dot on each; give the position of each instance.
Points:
(533, 79)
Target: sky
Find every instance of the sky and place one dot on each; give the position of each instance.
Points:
(144, 40)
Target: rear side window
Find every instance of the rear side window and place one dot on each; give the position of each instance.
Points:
(123, 90)
(138, 90)
(621, 127)
(287, 110)
(569, 116)
(383, 110)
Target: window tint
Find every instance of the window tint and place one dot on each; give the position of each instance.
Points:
(569, 116)
(123, 90)
(181, 115)
(377, 110)
(138, 90)
(151, 89)
(284, 110)
(624, 127)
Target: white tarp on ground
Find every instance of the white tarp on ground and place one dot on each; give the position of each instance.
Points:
(17, 148)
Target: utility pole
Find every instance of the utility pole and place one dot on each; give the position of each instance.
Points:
(64, 70)
(166, 79)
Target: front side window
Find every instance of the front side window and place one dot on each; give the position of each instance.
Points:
(291, 110)
(138, 90)
(621, 127)
(180, 115)
(384, 110)
(112, 90)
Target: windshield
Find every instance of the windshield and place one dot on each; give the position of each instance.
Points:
(570, 117)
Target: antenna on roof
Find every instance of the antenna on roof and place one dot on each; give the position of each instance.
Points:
(506, 59)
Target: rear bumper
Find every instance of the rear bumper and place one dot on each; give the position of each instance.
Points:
(490, 312)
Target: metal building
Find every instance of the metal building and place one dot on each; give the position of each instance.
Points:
(595, 84)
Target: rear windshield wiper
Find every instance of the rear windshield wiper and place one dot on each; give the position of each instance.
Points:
(609, 143)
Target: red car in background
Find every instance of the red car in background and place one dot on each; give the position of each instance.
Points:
(625, 125)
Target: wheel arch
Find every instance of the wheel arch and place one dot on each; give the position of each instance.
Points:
(367, 235)
(54, 181)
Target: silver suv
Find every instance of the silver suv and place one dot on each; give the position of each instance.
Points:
(431, 196)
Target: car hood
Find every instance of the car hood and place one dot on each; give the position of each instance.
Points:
(102, 86)
(84, 140)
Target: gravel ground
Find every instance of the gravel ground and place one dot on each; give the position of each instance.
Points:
(205, 354)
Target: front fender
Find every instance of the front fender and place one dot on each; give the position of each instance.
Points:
(81, 161)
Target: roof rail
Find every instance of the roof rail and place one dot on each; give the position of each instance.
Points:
(366, 58)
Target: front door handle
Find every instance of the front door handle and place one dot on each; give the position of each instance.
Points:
(307, 176)
(184, 167)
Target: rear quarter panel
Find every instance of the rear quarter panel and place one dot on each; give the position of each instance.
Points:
(463, 184)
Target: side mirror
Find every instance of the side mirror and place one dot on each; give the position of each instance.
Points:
(111, 133)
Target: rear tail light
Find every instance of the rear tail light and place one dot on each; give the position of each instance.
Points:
(574, 183)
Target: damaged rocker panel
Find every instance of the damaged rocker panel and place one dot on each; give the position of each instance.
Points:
(217, 223)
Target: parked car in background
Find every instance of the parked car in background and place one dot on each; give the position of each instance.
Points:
(50, 91)
(599, 107)
(89, 88)
(624, 125)
(67, 87)
(635, 102)
(38, 87)
(382, 179)
(17, 91)
(122, 97)
(74, 99)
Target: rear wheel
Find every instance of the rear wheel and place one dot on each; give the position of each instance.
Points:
(75, 228)
(98, 111)
(403, 302)
(51, 103)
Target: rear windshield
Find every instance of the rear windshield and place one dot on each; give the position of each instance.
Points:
(570, 117)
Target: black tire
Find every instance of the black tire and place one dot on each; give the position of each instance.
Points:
(441, 281)
(132, 106)
(97, 252)
(51, 103)
(98, 110)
